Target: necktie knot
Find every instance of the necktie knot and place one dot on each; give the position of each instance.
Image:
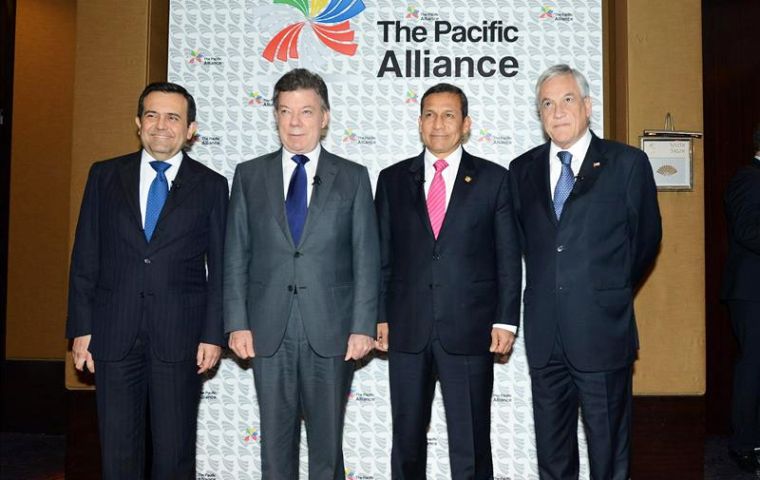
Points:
(300, 159)
(160, 167)
(565, 157)
(439, 165)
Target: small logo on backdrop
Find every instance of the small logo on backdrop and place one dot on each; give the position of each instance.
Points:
(502, 398)
(197, 57)
(432, 441)
(485, 136)
(352, 475)
(255, 98)
(329, 21)
(546, 12)
(355, 396)
(205, 476)
(414, 13)
(411, 96)
(208, 140)
(350, 137)
(551, 13)
(251, 435)
(205, 394)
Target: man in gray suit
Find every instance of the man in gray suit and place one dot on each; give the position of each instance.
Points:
(301, 282)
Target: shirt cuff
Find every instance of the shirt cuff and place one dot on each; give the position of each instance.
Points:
(504, 326)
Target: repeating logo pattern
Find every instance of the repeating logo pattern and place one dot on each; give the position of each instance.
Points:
(329, 20)
(373, 122)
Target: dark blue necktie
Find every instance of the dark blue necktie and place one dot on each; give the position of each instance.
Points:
(159, 190)
(565, 182)
(295, 202)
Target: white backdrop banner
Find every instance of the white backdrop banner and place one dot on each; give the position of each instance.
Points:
(377, 57)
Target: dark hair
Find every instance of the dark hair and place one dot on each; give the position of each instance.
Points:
(301, 79)
(756, 138)
(446, 88)
(167, 87)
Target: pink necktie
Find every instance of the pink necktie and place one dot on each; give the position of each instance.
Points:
(436, 200)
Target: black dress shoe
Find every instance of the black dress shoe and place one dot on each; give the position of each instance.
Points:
(747, 461)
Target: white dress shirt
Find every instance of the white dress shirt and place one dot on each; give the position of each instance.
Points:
(454, 159)
(289, 165)
(148, 174)
(577, 150)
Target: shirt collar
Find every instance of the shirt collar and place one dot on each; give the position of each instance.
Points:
(287, 156)
(578, 149)
(453, 159)
(174, 161)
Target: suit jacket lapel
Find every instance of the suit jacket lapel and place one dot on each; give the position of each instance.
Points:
(466, 178)
(417, 190)
(591, 167)
(539, 174)
(182, 187)
(275, 193)
(327, 170)
(129, 174)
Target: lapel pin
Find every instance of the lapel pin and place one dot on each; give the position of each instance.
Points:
(597, 164)
(467, 179)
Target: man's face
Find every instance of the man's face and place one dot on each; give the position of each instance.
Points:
(442, 126)
(163, 127)
(564, 112)
(300, 120)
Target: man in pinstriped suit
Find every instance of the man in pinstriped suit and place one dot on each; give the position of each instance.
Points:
(145, 291)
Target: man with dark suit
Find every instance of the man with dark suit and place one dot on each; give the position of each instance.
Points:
(145, 291)
(741, 293)
(590, 229)
(302, 271)
(451, 288)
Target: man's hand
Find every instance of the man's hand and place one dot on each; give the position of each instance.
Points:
(358, 346)
(382, 337)
(501, 341)
(81, 354)
(207, 357)
(241, 342)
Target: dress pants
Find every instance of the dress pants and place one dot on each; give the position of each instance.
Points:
(171, 392)
(466, 387)
(745, 403)
(605, 401)
(297, 383)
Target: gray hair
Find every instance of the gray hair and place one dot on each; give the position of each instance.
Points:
(556, 71)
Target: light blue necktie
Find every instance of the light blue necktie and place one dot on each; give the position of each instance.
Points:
(295, 202)
(159, 190)
(565, 182)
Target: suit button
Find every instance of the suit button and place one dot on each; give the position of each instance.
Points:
(560, 249)
(147, 261)
(142, 294)
(436, 257)
(290, 288)
(297, 254)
